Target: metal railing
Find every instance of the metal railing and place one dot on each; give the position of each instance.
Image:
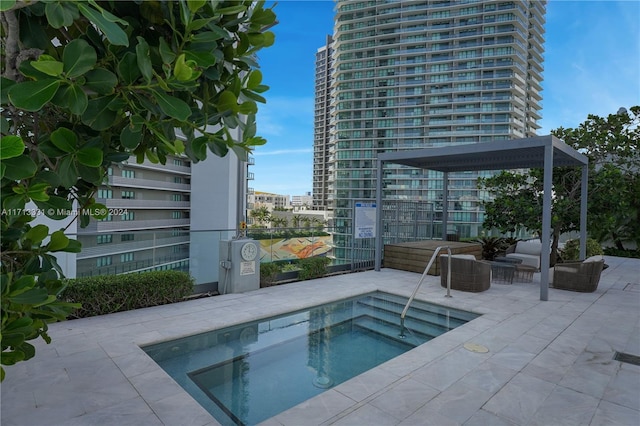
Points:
(424, 274)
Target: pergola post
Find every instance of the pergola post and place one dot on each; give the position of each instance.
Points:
(445, 204)
(379, 230)
(545, 238)
(583, 212)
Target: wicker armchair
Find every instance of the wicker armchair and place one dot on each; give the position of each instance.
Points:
(467, 274)
(578, 276)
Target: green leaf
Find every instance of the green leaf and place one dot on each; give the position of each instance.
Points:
(254, 80)
(67, 171)
(37, 234)
(100, 80)
(181, 70)
(208, 37)
(248, 107)
(130, 139)
(90, 174)
(6, 5)
(58, 241)
(203, 59)
(48, 66)
(64, 139)
(128, 68)
(91, 157)
(5, 84)
(30, 297)
(33, 95)
(231, 10)
(172, 106)
(73, 247)
(61, 14)
(10, 147)
(55, 207)
(227, 101)
(78, 57)
(73, 98)
(98, 115)
(199, 147)
(166, 53)
(98, 210)
(111, 30)
(38, 191)
(144, 59)
(18, 168)
(194, 5)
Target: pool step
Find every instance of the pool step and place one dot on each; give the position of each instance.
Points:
(437, 317)
(391, 331)
(413, 322)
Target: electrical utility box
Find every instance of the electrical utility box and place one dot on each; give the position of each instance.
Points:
(239, 268)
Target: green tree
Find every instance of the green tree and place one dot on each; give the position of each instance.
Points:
(611, 144)
(261, 215)
(279, 222)
(88, 84)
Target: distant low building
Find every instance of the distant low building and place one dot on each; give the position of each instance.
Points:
(302, 201)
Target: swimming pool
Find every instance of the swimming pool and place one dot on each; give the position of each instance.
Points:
(250, 372)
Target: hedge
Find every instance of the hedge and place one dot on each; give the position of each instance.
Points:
(106, 294)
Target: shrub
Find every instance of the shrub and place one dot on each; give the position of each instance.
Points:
(571, 250)
(613, 251)
(106, 294)
(268, 273)
(492, 247)
(313, 267)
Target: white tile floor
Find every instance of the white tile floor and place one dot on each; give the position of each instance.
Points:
(549, 363)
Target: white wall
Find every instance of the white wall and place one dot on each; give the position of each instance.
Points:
(218, 186)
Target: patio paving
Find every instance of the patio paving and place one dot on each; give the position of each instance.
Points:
(549, 363)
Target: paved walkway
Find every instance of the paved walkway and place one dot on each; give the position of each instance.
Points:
(549, 363)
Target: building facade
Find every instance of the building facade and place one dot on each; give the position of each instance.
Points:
(165, 216)
(322, 172)
(416, 74)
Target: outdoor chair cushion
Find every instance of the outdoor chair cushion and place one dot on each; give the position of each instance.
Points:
(467, 274)
(527, 251)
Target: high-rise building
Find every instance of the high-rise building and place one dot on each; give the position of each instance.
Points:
(321, 142)
(416, 74)
(164, 216)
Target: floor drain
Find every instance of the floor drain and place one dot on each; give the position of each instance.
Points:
(628, 358)
(474, 347)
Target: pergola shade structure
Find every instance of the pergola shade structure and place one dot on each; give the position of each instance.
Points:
(544, 152)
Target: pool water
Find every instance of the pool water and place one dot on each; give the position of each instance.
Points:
(248, 373)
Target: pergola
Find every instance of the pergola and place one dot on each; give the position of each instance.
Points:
(544, 152)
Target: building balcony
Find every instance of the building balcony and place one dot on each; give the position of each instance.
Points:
(117, 248)
(143, 204)
(118, 181)
(126, 225)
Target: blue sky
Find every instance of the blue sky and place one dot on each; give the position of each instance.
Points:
(592, 66)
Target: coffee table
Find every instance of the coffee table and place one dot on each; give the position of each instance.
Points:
(502, 271)
(524, 273)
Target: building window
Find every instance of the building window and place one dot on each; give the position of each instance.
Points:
(177, 162)
(128, 174)
(110, 171)
(126, 257)
(105, 193)
(103, 261)
(105, 239)
(128, 195)
(127, 237)
(128, 216)
(176, 215)
(176, 197)
(109, 218)
(177, 179)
